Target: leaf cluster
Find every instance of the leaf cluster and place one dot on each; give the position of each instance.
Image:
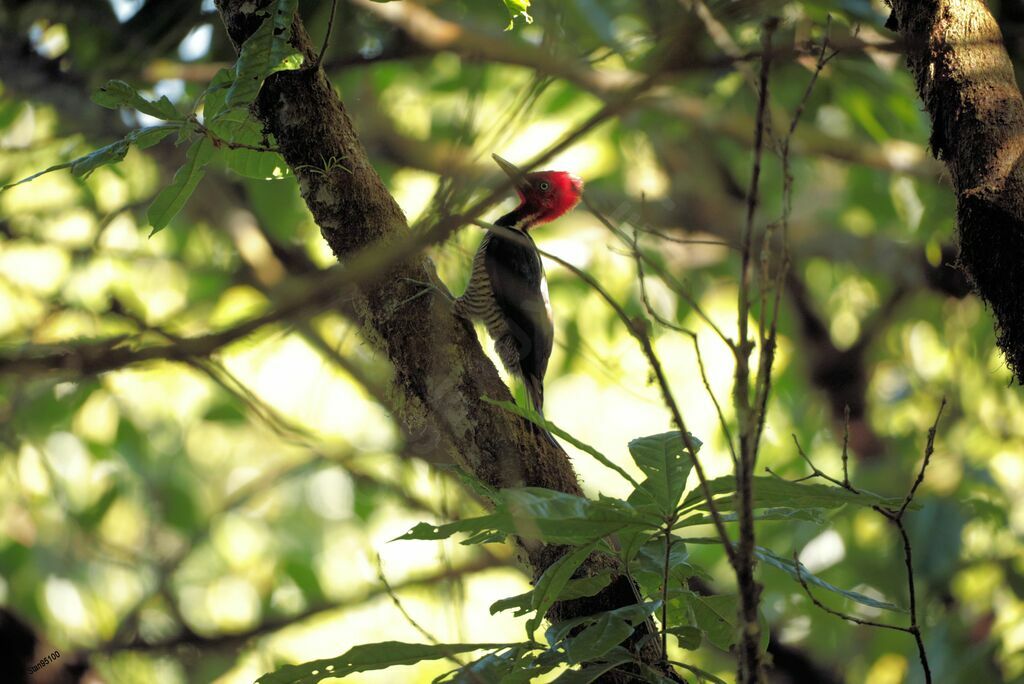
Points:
(643, 536)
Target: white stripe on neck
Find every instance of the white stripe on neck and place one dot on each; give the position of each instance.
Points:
(522, 224)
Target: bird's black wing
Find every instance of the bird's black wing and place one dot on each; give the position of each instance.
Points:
(520, 291)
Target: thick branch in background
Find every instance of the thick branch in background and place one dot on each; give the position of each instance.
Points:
(440, 371)
(965, 78)
(437, 34)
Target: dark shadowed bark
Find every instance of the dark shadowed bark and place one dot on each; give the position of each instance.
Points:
(965, 78)
(440, 370)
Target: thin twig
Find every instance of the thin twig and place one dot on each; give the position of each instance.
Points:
(401, 609)
(895, 516)
(638, 329)
(844, 616)
(327, 35)
(672, 283)
(714, 400)
(230, 144)
(750, 666)
(846, 449)
(664, 585)
(915, 629)
(929, 449)
(768, 342)
(815, 472)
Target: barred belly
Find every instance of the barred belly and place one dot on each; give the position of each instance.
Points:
(478, 303)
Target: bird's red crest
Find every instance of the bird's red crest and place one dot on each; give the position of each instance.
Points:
(543, 195)
(549, 194)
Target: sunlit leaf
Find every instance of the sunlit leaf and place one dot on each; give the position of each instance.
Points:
(789, 567)
(267, 51)
(688, 636)
(663, 458)
(774, 492)
(702, 675)
(543, 514)
(108, 154)
(172, 198)
(551, 583)
(377, 656)
(239, 126)
(115, 94)
(517, 8)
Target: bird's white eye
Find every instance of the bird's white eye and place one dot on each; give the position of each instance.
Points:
(544, 185)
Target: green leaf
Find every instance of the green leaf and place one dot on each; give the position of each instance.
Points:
(663, 459)
(814, 515)
(551, 583)
(144, 138)
(498, 667)
(55, 167)
(267, 51)
(518, 8)
(172, 198)
(238, 126)
(789, 567)
(634, 614)
(214, 99)
(534, 417)
(716, 616)
(377, 656)
(108, 154)
(702, 674)
(689, 637)
(648, 568)
(591, 673)
(574, 589)
(607, 632)
(116, 94)
(543, 514)
(180, 508)
(774, 492)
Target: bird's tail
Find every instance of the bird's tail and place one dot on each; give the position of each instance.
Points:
(535, 391)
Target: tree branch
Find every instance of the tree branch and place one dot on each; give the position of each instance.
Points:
(438, 34)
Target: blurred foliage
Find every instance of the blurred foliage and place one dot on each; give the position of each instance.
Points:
(212, 519)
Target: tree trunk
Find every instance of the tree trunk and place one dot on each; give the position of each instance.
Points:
(440, 370)
(965, 78)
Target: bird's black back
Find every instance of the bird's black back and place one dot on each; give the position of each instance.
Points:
(517, 281)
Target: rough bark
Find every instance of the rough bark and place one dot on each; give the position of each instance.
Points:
(965, 78)
(440, 370)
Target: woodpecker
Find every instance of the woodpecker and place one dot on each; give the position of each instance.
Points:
(507, 289)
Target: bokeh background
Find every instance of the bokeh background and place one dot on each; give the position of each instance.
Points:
(208, 518)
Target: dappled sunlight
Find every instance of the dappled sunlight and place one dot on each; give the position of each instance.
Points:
(203, 470)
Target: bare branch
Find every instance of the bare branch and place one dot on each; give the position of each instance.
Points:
(844, 616)
(638, 329)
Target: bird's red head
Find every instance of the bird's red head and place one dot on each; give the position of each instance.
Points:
(543, 195)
